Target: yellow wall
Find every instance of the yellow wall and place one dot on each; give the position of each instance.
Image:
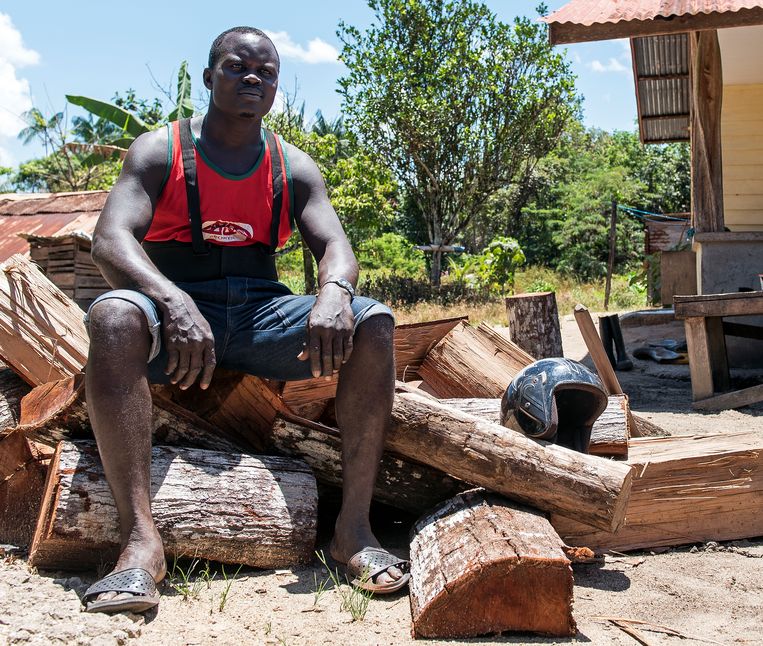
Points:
(742, 139)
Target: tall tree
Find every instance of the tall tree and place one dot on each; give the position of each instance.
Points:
(458, 103)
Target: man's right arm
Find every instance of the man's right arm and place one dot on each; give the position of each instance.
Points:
(122, 225)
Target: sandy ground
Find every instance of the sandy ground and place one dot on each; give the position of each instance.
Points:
(706, 593)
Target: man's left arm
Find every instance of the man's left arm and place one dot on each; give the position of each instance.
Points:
(331, 322)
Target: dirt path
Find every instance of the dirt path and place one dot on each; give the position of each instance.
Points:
(707, 593)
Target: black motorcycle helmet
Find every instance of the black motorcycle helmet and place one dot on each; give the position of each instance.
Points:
(556, 400)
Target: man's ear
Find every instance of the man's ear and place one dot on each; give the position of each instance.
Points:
(207, 76)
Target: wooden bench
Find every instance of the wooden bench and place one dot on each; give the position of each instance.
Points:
(705, 338)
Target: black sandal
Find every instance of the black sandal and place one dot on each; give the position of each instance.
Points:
(136, 581)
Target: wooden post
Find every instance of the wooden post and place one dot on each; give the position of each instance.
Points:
(706, 153)
(612, 245)
(480, 565)
(534, 324)
(227, 507)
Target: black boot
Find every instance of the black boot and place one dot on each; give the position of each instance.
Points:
(623, 360)
(605, 332)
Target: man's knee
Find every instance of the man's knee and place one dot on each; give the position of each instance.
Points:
(376, 332)
(115, 320)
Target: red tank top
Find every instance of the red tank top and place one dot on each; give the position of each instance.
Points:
(236, 210)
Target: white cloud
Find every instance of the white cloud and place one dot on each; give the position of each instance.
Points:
(318, 51)
(6, 159)
(14, 91)
(613, 65)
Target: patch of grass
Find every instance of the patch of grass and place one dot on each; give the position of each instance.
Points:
(226, 589)
(185, 583)
(354, 600)
(320, 588)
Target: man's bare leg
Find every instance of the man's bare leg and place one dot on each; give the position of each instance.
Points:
(363, 405)
(119, 405)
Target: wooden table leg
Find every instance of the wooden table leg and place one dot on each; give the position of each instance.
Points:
(719, 363)
(700, 358)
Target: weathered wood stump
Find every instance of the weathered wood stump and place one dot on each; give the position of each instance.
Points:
(472, 449)
(480, 565)
(232, 508)
(534, 324)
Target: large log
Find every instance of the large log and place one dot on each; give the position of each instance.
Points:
(469, 448)
(401, 483)
(686, 489)
(232, 508)
(472, 362)
(57, 410)
(42, 336)
(609, 435)
(534, 324)
(482, 566)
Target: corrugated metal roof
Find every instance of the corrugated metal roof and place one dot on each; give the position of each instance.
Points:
(661, 69)
(586, 20)
(46, 215)
(589, 12)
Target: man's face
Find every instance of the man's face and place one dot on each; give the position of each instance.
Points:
(244, 80)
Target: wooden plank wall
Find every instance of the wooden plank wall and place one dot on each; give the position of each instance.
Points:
(742, 140)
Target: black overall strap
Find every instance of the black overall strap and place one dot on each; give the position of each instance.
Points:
(275, 161)
(192, 187)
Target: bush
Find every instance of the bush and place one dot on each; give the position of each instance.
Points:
(395, 289)
(393, 254)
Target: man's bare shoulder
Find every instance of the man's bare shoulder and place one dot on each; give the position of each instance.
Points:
(147, 158)
(304, 170)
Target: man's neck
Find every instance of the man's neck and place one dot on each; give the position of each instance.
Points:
(226, 131)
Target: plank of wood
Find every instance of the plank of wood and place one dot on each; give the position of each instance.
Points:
(472, 449)
(472, 363)
(414, 340)
(734, 304)
(686, 489)
(700, 361)
(480, 565)
(609, 435)
(596, 350)
(232, 508)
(42, 336)
(735, 399)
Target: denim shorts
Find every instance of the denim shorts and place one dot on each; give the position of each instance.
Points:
(259, 326)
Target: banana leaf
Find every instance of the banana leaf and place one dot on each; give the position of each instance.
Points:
(120, 117)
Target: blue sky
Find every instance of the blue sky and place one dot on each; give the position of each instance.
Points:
(98, 48)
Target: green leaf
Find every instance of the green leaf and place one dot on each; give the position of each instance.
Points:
(120, 117)
(184, 106)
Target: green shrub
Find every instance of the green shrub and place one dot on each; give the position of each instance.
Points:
(391, 253)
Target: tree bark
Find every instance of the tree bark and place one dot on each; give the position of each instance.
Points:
(471, 449)
(534, 324)
(482, 566)
(401, 482)
(12, 389)
(231, 508)
(471, 362)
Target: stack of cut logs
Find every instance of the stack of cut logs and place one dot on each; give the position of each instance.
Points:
(234, 472)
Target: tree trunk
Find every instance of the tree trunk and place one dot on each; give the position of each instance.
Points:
(534, 324)
(549, 477)
(436, 267)
(401, 483)
(482, 566)
(472, 362)
(232, 508)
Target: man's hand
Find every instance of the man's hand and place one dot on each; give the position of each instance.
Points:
(189, 342)
(329, 331)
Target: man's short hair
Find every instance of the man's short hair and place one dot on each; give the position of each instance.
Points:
(215, 52)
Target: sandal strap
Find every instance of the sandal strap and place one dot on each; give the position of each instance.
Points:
(133, 580)
(375, 561)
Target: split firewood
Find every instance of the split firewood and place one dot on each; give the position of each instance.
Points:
(480, 565)
(42, 335)
(12, 389)
(401, 483)
(227, 507)
(471, 362)
(57, 410)
(609, 435)
(549, 477)
(686, 489)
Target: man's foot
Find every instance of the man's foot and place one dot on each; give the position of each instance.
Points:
(364, 555)
(140, 555)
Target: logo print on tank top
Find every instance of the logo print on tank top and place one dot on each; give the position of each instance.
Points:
(224, 231)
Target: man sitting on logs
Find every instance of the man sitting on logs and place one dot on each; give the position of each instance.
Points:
(187, 241)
